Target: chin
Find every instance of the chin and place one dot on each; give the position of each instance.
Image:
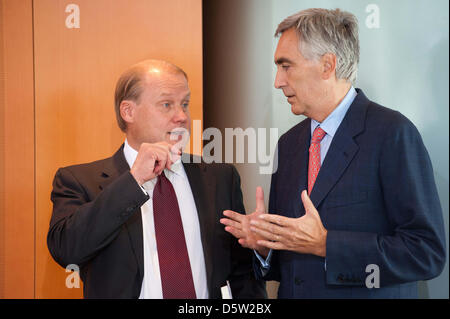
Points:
(296, 110)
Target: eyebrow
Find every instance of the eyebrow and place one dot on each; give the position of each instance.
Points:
(165, 94)
(169, 96)
(283, 60)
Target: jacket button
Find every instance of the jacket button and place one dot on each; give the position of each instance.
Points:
(298, 281)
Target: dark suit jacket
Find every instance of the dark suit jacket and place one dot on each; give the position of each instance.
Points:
(377, 198)
(97, 225)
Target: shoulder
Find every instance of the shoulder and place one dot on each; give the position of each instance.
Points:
(389, 122)
(85, 168)
(86, 174)
(200, 164)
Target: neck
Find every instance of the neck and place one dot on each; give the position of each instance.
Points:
(332, 98)
(134, 144)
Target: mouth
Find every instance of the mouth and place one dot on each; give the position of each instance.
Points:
(290, 98)
(177, 134)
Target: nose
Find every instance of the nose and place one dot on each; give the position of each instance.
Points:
(280, 80)
(181, 115)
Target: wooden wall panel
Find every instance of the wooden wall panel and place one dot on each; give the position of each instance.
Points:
(2, 158)
(16, 150)
(75, 72)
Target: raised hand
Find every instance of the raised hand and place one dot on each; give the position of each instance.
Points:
(305, 234)
(239, 225)
(152, 159)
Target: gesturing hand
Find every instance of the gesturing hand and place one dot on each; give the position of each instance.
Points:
(239, 225)
(305, 234)
(152, 159)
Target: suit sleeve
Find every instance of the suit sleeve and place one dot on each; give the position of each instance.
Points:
(80, 227)
(416, 248)
(243, 282)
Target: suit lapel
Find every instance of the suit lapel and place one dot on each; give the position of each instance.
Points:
(342, 149)
(112, 170)
(203, 190)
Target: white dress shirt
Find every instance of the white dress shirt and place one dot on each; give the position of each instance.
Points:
(151, 284)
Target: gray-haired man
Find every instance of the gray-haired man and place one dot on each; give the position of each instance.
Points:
(354, 190)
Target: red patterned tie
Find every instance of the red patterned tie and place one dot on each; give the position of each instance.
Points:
(314, 157)
(174, 265)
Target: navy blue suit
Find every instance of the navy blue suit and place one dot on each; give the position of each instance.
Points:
(377, 198)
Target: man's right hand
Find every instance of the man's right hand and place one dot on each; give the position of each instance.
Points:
(239, 225)
(152, 159)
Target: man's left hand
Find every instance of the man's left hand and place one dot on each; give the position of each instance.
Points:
(305, 234)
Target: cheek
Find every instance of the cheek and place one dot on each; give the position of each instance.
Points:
(188, 124)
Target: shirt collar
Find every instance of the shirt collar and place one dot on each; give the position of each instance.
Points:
(332, 122)
(131, 154)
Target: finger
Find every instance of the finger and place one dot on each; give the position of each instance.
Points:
(260, 207)
(277, 219)
(175, 157)
(159, 166)
(152, 160)
(162, 158)
(232, 223)
(233, 231)
(280, 230)
(171, 148)
(164, 152)
(234, 216)
(271, 245)
(267, 234)
(244, 243)
(176, 149)
(308, 204)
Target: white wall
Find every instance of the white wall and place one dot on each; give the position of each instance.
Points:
(403, 65)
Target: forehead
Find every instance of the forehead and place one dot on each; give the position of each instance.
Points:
(287, 48)
(163, 84)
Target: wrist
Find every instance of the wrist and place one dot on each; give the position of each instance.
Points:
(322, 252)
(139, 180)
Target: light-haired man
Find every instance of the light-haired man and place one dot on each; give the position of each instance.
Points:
(354, 210)
(143, 223)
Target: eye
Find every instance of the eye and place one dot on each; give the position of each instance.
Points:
(166, 105)
(185, 105)
(285, 66)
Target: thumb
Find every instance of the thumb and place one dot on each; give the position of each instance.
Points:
(260, 207)
(307, 203)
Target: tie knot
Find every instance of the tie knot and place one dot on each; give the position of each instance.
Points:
(162, 175)
(162, 180)
(318, 135)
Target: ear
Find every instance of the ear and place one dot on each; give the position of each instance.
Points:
(328, 62)
(127, 110)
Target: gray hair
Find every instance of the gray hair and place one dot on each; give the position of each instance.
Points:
(324, 31)
(131, 84)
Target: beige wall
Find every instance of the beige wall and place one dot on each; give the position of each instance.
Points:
(57, 109)
(17, 151)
